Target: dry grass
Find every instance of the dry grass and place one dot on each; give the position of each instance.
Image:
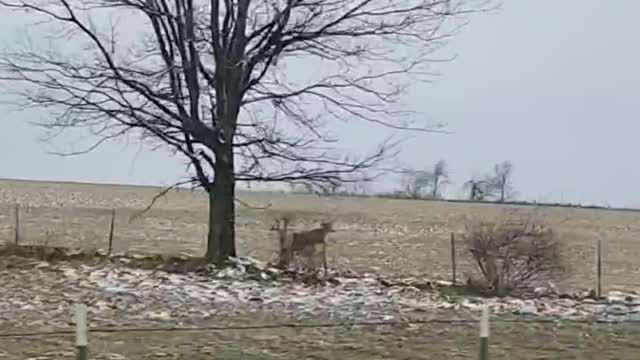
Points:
(508, 341)
(373, 235)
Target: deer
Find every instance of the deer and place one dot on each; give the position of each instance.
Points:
(302, 242)
(306, 241)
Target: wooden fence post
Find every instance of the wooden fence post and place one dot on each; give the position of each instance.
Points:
(599, 268)
(111, 228)
(16, 233)
(484, 334)
(453, 258)
(82, 351)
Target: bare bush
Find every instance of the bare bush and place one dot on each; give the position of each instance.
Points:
(513, 256)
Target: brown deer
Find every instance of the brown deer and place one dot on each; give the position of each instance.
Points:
(306, 241)
(303, 242)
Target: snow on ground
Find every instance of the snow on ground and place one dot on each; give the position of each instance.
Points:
(42, 297)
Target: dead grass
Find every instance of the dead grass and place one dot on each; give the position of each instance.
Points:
(25, 256)
(508, 341)
(373, 235)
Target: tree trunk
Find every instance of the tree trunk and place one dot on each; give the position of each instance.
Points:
(435, 189)
(221, 238)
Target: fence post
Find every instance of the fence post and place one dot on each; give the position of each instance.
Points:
(82, 351)
(16, 233)
(484, 334)
(453, 258)
(111, 227)
(599, 268)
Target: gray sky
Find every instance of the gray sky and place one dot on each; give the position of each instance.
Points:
(551, 85)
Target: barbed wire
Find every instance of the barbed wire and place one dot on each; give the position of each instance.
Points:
(104, 330)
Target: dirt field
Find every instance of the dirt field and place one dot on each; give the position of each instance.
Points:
(532, 342)
(373, 235)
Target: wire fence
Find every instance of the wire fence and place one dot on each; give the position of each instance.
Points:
(107, 330)
(83, 331)
(110, 229)
(115, 230)
(605, 261)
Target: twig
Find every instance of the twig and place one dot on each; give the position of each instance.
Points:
(243, 203)
(158, 196)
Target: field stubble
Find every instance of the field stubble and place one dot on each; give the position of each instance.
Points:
(373, 235)
(509, 341)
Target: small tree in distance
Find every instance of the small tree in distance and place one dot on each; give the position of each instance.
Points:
(498, 185)
(478, 189)
(416, 183)
(422, 183)
(211, 80)
(439, 177)
(501, 183)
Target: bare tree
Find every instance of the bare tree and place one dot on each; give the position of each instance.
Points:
(419, 183)
(351, 188)
(213, 81)
(416, 183)
(478, 189)
(439, 177)
(501, 182)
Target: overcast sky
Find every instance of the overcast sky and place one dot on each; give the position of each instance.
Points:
(553, 86)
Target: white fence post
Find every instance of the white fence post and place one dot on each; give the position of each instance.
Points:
(82, 351)
(484, 334)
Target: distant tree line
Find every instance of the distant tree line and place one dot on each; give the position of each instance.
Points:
(497, 185)
(429, 183)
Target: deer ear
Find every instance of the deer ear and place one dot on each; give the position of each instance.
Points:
(329, 224)
(276, 225)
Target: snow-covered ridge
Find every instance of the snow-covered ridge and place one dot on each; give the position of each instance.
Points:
(42, 295)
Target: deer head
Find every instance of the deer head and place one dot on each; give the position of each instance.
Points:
(280, 223)
(327, 226)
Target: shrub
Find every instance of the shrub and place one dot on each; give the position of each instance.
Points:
(513, 256)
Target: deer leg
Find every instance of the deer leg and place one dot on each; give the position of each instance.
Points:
(324, 256)
(311, 257)
(308, 253)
